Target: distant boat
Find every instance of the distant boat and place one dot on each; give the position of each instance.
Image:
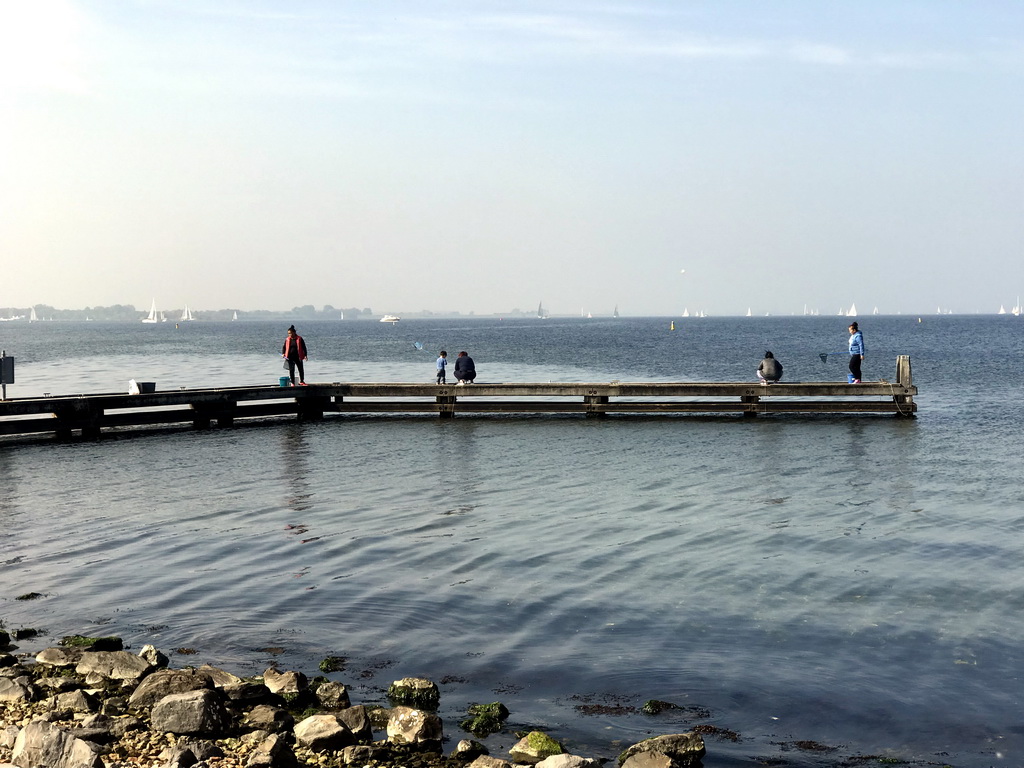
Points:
(686, 312)
(748, 312)
(234, 316)
(874, 311)
(615, 312)
(32, 315)
(1002, 310)
(390, 319)
(541, 312)
(1016, 308)
(155, 315)
(186, 314)
(852, 312)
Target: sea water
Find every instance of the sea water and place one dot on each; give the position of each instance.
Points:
(851, 581)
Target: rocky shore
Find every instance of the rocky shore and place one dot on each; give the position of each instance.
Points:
(88, 703)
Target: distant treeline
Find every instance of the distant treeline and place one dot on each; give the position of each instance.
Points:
(128, 313)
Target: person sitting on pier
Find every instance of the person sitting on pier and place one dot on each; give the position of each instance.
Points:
(465, 370)
(770, 369)
(294, 351)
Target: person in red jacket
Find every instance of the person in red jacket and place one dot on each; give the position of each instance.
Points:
(294, 351)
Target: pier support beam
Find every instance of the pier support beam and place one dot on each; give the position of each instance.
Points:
(446, 406)
(590, 402)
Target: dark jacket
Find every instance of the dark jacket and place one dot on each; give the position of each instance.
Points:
(294, 351)
(771, 369)
(464, 368)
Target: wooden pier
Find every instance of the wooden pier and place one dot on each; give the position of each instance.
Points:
(89, 415)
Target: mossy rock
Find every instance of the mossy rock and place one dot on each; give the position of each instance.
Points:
(111, 643)
(333, 664)
(416, 692)
(535, 747)
(656, 707)
(485, 719)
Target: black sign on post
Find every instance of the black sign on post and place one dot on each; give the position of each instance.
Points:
(6, 373)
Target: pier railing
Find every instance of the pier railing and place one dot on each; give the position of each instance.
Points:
(89, 415)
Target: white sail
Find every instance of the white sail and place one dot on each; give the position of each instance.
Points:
(852, 312)
(153, 316)
(32, 315)
(234, 316)
(186, 314)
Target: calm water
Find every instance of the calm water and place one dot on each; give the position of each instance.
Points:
(854, 581)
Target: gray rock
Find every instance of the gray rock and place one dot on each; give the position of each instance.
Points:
(76, 701)
(360, 754)
(332, 695)
(285, 682)
(59, 657)
(40, 743)
(415, 692)
(486, 761)
(534, 747)
(17, 689)
(8, 735)
(113, 665)
(59, 684)
(413, 726)
(568, 761)
(357, 720)
(115, 705)
(154, 656)
(264, 717)
(272, 752)
(164, 682)
(190, 713)
(468, 749)
(323, 732)
(217, 676)
(115, 727)
(250, 694)
(676, 750)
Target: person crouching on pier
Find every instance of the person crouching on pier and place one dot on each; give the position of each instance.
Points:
(770, 369)
(465, 370)
(294, 351)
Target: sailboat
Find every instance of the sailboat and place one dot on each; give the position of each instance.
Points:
(852, 311)
(234, 315)
(32, 315)
(748, 312)
(1002, 310)
(541, 312)
(155, 315)
(615, 312)
(686, 312)
(186, 314)
(1016, 308)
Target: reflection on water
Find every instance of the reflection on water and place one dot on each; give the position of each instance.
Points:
(853, 581)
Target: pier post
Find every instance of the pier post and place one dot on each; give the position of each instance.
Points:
(751, 404)
(591, 402)
(904, 381)
(312, 408)
(445, 406)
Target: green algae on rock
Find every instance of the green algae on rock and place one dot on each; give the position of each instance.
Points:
(485, 719)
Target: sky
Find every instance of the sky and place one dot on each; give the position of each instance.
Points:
(409, 155)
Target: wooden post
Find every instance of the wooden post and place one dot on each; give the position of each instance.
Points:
(751, 402)
(445, 406)
(590, 403)
(904, 380)
(312, 408)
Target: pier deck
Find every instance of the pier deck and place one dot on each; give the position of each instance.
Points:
(89, 415)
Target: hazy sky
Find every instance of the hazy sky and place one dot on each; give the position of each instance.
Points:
(483, 156)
